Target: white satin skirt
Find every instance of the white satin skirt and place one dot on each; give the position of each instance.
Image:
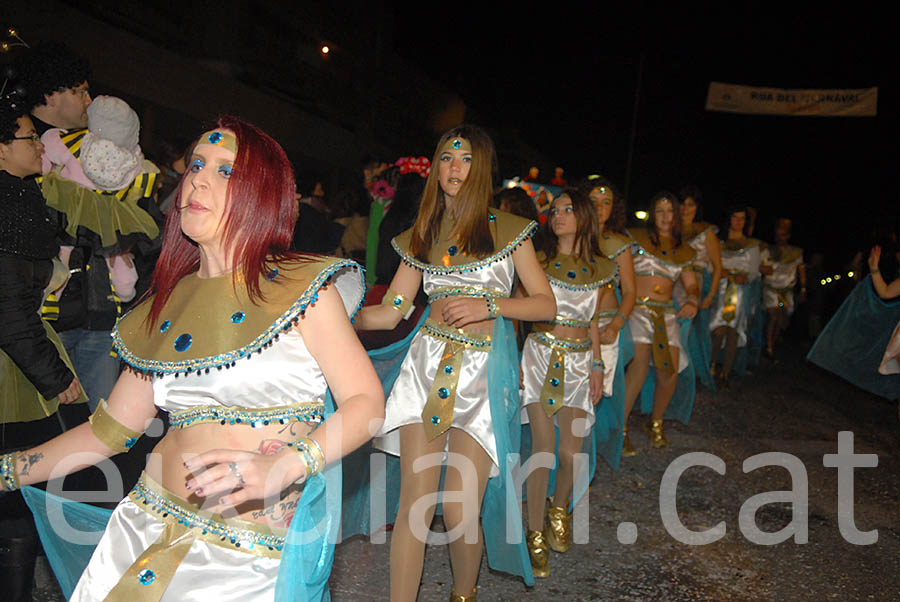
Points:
(742, 311)
(773, 298)
(640, 322)
(890, 363)
(471, 409)
(576, 379)
(211, 570)
(610, 355)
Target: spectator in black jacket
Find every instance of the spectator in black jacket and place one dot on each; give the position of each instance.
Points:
(34, 379)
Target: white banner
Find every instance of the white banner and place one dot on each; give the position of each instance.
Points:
(733, 98)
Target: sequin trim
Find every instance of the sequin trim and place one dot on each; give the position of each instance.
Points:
(650, 303)
(225, 360)
(622, 249)
(590, 286)
(255, 418)
(245, 536)
(471, 340)
(464, 291)
(639, 250)
(555, 342)
(561, 321)
(474, 266)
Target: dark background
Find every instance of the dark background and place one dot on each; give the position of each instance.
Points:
(556, 84)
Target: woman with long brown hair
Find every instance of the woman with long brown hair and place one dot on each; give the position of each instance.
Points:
(563, 369)
(614, 309)
(660, 259)
(465, 256)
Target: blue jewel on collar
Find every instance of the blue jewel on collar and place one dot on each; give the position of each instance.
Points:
(183, 342)
(273, 273)
(571, 274)
(453, 250)
(584, 270)
(557, 265)
(492, 218)
(165, 325)
(237, 317)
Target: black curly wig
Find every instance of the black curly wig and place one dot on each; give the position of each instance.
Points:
(50, 67)
(12, 106)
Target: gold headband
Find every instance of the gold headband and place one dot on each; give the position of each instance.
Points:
(219, 138)
(457, 144)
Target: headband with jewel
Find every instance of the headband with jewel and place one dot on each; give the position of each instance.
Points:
(219, 138)
(457, 144)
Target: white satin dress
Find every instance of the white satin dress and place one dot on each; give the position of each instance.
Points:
(227, 559)
(576, 305)
(745, 261)
(492, 276)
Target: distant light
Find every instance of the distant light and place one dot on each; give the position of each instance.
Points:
(642, 215)
(837, 276)
(823, 282)
(849, 274)
(325, 49)
(828, 280)
(511, 184)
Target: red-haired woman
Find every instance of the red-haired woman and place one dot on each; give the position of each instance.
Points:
(450, 395)
(239, 342)
(563, 368)
(660, 259)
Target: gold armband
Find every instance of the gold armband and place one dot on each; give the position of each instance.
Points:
(397, 301)
(9, 476)
(110, 432)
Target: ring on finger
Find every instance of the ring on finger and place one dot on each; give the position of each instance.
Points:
(233, 469)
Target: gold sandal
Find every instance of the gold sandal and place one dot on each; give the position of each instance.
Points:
(539, 554)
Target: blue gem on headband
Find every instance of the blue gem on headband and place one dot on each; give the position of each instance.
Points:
(457, 144)
(215, 137)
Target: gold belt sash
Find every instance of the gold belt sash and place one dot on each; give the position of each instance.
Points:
(437, 415)
(148, 577)
(553, 391)
(729, 306)
(662, 355)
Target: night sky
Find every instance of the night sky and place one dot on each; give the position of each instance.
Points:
(566, 81)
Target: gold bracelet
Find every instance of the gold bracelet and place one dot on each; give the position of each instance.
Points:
(493, 310)
(110, 432)
(9, 477)
(312, 455)
(397, 301)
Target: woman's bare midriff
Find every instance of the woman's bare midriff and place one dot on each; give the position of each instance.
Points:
(166, 464)
(657, 288)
